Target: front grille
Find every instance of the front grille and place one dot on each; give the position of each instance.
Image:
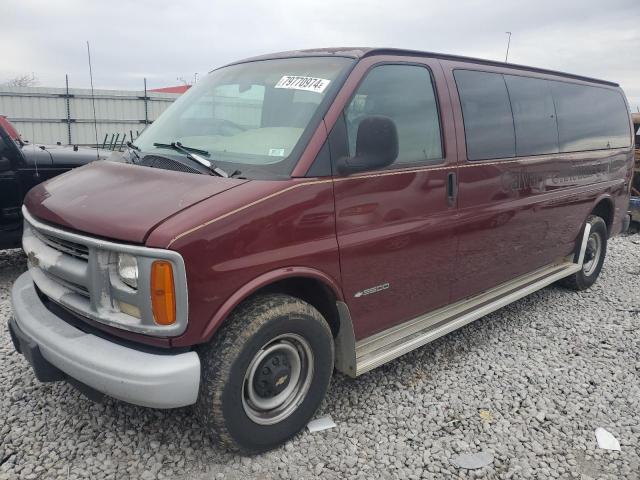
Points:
(79, 273)
(76, 250)
(77, 288)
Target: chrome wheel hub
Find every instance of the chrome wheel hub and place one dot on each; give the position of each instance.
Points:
(277, 379)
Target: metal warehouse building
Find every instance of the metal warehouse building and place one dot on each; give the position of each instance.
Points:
(65, 115)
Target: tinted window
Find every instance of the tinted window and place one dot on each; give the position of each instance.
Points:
(405, 94)
(590, 118)
(534, 115)
(488, 123)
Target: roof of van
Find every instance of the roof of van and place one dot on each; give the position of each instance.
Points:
(361, 52)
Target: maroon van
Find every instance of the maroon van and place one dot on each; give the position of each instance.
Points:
(302, 211)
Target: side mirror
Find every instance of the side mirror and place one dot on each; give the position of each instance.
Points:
(5, 164)
(376, 146)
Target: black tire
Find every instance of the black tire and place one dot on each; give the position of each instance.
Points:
(587, 276)
(223, 406)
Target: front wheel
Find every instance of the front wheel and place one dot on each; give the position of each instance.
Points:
(595, 252)
(265, 373)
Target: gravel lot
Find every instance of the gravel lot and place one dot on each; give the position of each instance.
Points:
(528, 384)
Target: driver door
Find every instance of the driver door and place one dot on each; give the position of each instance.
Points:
(395, 225)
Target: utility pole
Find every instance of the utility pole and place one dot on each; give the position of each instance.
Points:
(506, 57)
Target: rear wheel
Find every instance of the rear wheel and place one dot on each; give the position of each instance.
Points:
(595, 253)
(265, 373)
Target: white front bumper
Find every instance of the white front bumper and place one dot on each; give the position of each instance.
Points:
(142, 378)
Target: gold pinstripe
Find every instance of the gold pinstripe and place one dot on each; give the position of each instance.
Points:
(239, 209)
(343, 179)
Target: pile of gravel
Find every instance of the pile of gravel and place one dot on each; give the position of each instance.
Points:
(528, 385)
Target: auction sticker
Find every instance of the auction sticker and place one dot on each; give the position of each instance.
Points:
(310, 84)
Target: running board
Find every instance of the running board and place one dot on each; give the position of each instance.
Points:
(389, 344)
(354, 358)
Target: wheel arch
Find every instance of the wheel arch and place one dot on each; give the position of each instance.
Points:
(605, 209)
(313, 286)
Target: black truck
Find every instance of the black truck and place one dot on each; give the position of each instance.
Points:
(24, 165)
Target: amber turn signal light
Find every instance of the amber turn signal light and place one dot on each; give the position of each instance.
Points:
(163, 294)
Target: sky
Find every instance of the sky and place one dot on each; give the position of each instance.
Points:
(171, 41)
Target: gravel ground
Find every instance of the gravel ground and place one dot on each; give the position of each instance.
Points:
(528, 384)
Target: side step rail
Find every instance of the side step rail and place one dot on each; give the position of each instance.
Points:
(373, 351)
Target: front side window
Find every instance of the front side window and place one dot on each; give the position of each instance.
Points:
(405, 94)
(250, 116)
(486, 112)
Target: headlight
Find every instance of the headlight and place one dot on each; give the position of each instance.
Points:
(128, 269)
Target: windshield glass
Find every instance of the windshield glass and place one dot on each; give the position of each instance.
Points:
(250, 116)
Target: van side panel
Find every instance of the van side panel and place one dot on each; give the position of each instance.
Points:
(397, 247)
(274, 225)
(520, 213)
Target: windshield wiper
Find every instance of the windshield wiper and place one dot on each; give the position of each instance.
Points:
(192, 154)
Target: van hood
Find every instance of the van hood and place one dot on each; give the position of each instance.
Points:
(120, 201)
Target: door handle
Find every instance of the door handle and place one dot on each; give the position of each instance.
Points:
(452, 188)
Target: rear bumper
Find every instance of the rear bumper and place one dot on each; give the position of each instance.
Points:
(59, 351)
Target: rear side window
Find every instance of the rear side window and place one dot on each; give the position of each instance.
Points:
(534, 115)
(488, 122)
(405, 94)
(590, 118)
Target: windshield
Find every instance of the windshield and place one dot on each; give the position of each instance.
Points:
(253, 117)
